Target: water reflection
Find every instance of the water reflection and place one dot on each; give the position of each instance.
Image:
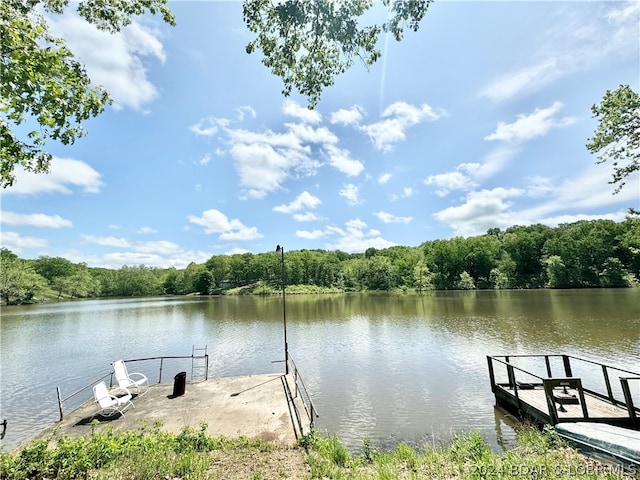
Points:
(390, 368)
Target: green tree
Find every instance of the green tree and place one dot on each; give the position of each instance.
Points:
(19, 282)
(41, 81)
(308, 43)
(617, 136)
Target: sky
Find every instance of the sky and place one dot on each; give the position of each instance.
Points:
(478, 120)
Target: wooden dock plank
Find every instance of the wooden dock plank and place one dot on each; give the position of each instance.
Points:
(596, 407)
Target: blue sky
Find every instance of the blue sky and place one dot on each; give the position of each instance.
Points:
(478, 120)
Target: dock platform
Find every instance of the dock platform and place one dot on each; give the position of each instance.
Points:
(552, 389)
(266, 407)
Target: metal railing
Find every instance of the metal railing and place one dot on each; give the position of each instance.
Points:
(90, 385)
(567, 375)
(301, 389)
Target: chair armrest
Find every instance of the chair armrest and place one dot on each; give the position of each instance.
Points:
(142, 377)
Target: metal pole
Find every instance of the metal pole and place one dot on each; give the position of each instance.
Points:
(284, 312)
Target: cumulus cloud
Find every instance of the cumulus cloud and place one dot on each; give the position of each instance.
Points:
(482, 210)
(342, 161)
(526, 127)
(116, 60)
(350, 193)
(34, 220)
(147, 230)
(356, 237)
(351, 116)
(208, 126)
(385, 217)
(64, 172)
(305, 114)
(107, 241)
(310, 235)
(18, 243)
(468, 176)
(397, 118)
(302, 201)
(382, 179)
(216, 222)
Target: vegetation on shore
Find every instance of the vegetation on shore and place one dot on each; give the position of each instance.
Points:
(152, 453)
(584, 254)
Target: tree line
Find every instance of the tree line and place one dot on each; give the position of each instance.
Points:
(584, 254)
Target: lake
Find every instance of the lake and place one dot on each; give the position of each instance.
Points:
(384, 367)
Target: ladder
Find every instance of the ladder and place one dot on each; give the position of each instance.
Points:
(199, 362)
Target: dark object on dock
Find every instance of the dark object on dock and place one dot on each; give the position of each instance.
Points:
(179, 384)
(527, 387)
(4, 428)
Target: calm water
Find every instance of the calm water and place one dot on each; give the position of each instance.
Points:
(388, 368)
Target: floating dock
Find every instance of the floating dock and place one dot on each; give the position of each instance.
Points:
(528, 387)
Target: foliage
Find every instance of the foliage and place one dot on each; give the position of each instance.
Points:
(617, 136)
(309, 43)
(19, 282)
(42, 85)
(109, 454)
(584, 254)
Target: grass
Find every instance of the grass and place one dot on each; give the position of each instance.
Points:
(192, 455)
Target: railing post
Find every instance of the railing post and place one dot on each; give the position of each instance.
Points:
(567, 366)
(628, 400)
(59, 403)
(206, 366)
(492, 377)
(546, 361)
(160, 379)
(607, 382)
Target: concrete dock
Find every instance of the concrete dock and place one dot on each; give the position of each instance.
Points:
(257, 406)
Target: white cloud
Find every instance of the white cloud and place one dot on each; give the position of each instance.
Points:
(63, 172)
(526, 127)
(482, 210)
(205, 160)
(469, 175)
(303, 113)
(313, 235)
(563, 203)
(147, 230)
(107, 241)
(18, 243)
(389, 218)
(34, 220)
(407, 192)
(382, 179)
(306, 217)
(302, 201)
(341, 159)
(114, 60)
(265, 160)
(245, 110)
(350, 192)
(357, 238)
(446, 182)
(208, 126)
(352, 116)
(397, 118)
(581, 39)
(214, 221)
(512, 83)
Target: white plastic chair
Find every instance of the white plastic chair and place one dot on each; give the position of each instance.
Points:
(110, 404)
(136, 382)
